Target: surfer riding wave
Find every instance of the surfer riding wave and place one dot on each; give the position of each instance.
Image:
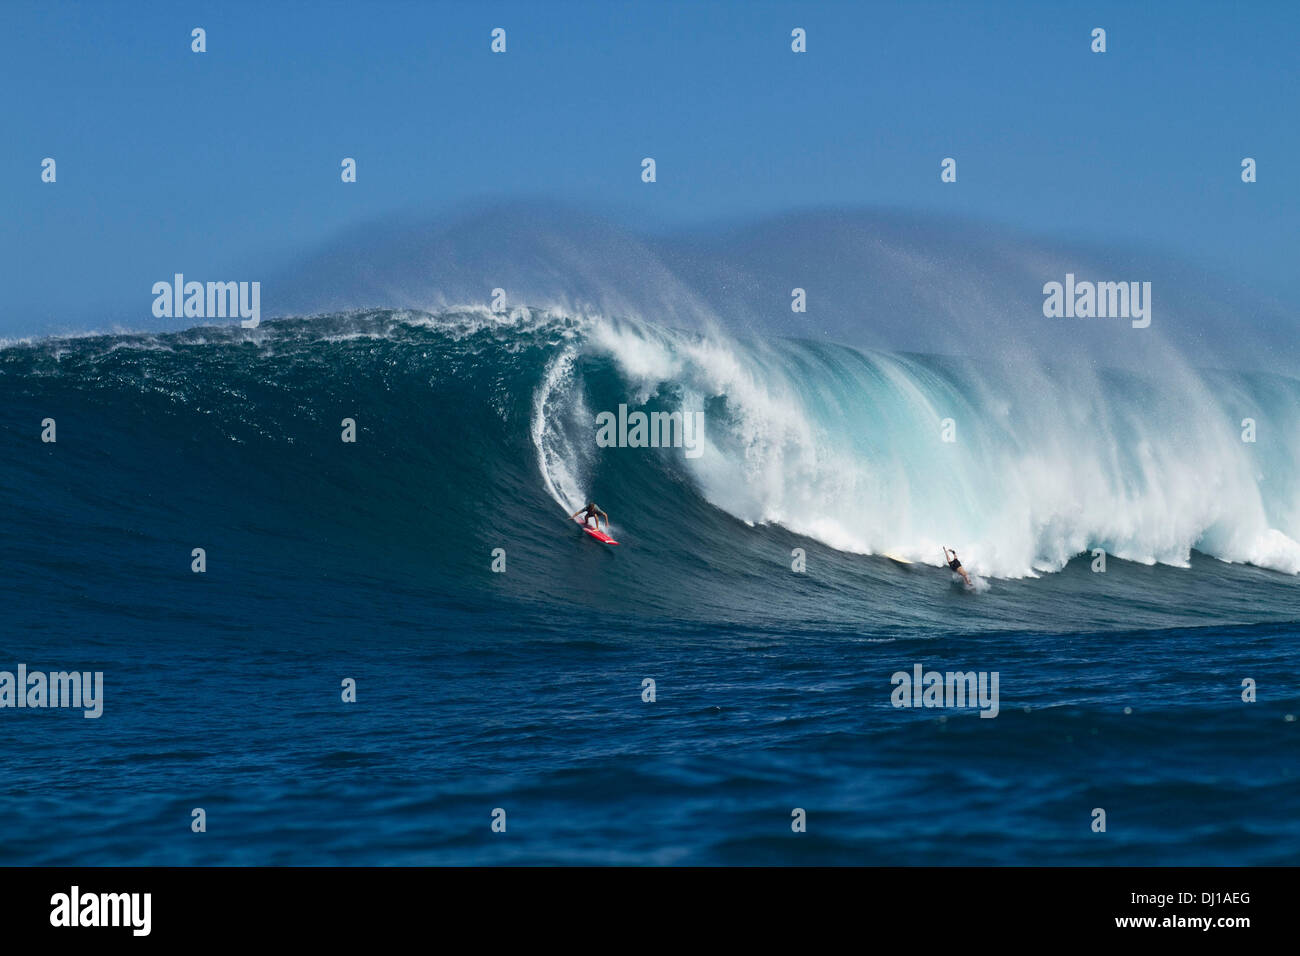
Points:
(590, 513)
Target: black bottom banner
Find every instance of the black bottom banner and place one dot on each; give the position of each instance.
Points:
(335, 905)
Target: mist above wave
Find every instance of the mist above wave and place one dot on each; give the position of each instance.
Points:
(872, 278)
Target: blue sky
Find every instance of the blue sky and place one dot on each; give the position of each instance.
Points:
(212, 163)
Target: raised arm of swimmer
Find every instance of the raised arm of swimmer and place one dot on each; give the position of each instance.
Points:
(955, 565)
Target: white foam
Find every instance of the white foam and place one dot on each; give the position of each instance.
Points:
(1048, 464)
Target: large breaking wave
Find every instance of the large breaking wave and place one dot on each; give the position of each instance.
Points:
(848, 447)
(842, 445)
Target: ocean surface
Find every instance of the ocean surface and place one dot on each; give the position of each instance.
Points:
(750, 585)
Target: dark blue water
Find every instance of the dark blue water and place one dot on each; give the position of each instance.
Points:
(523, 690)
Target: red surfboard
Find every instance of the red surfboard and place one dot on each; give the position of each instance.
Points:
(598, 535)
